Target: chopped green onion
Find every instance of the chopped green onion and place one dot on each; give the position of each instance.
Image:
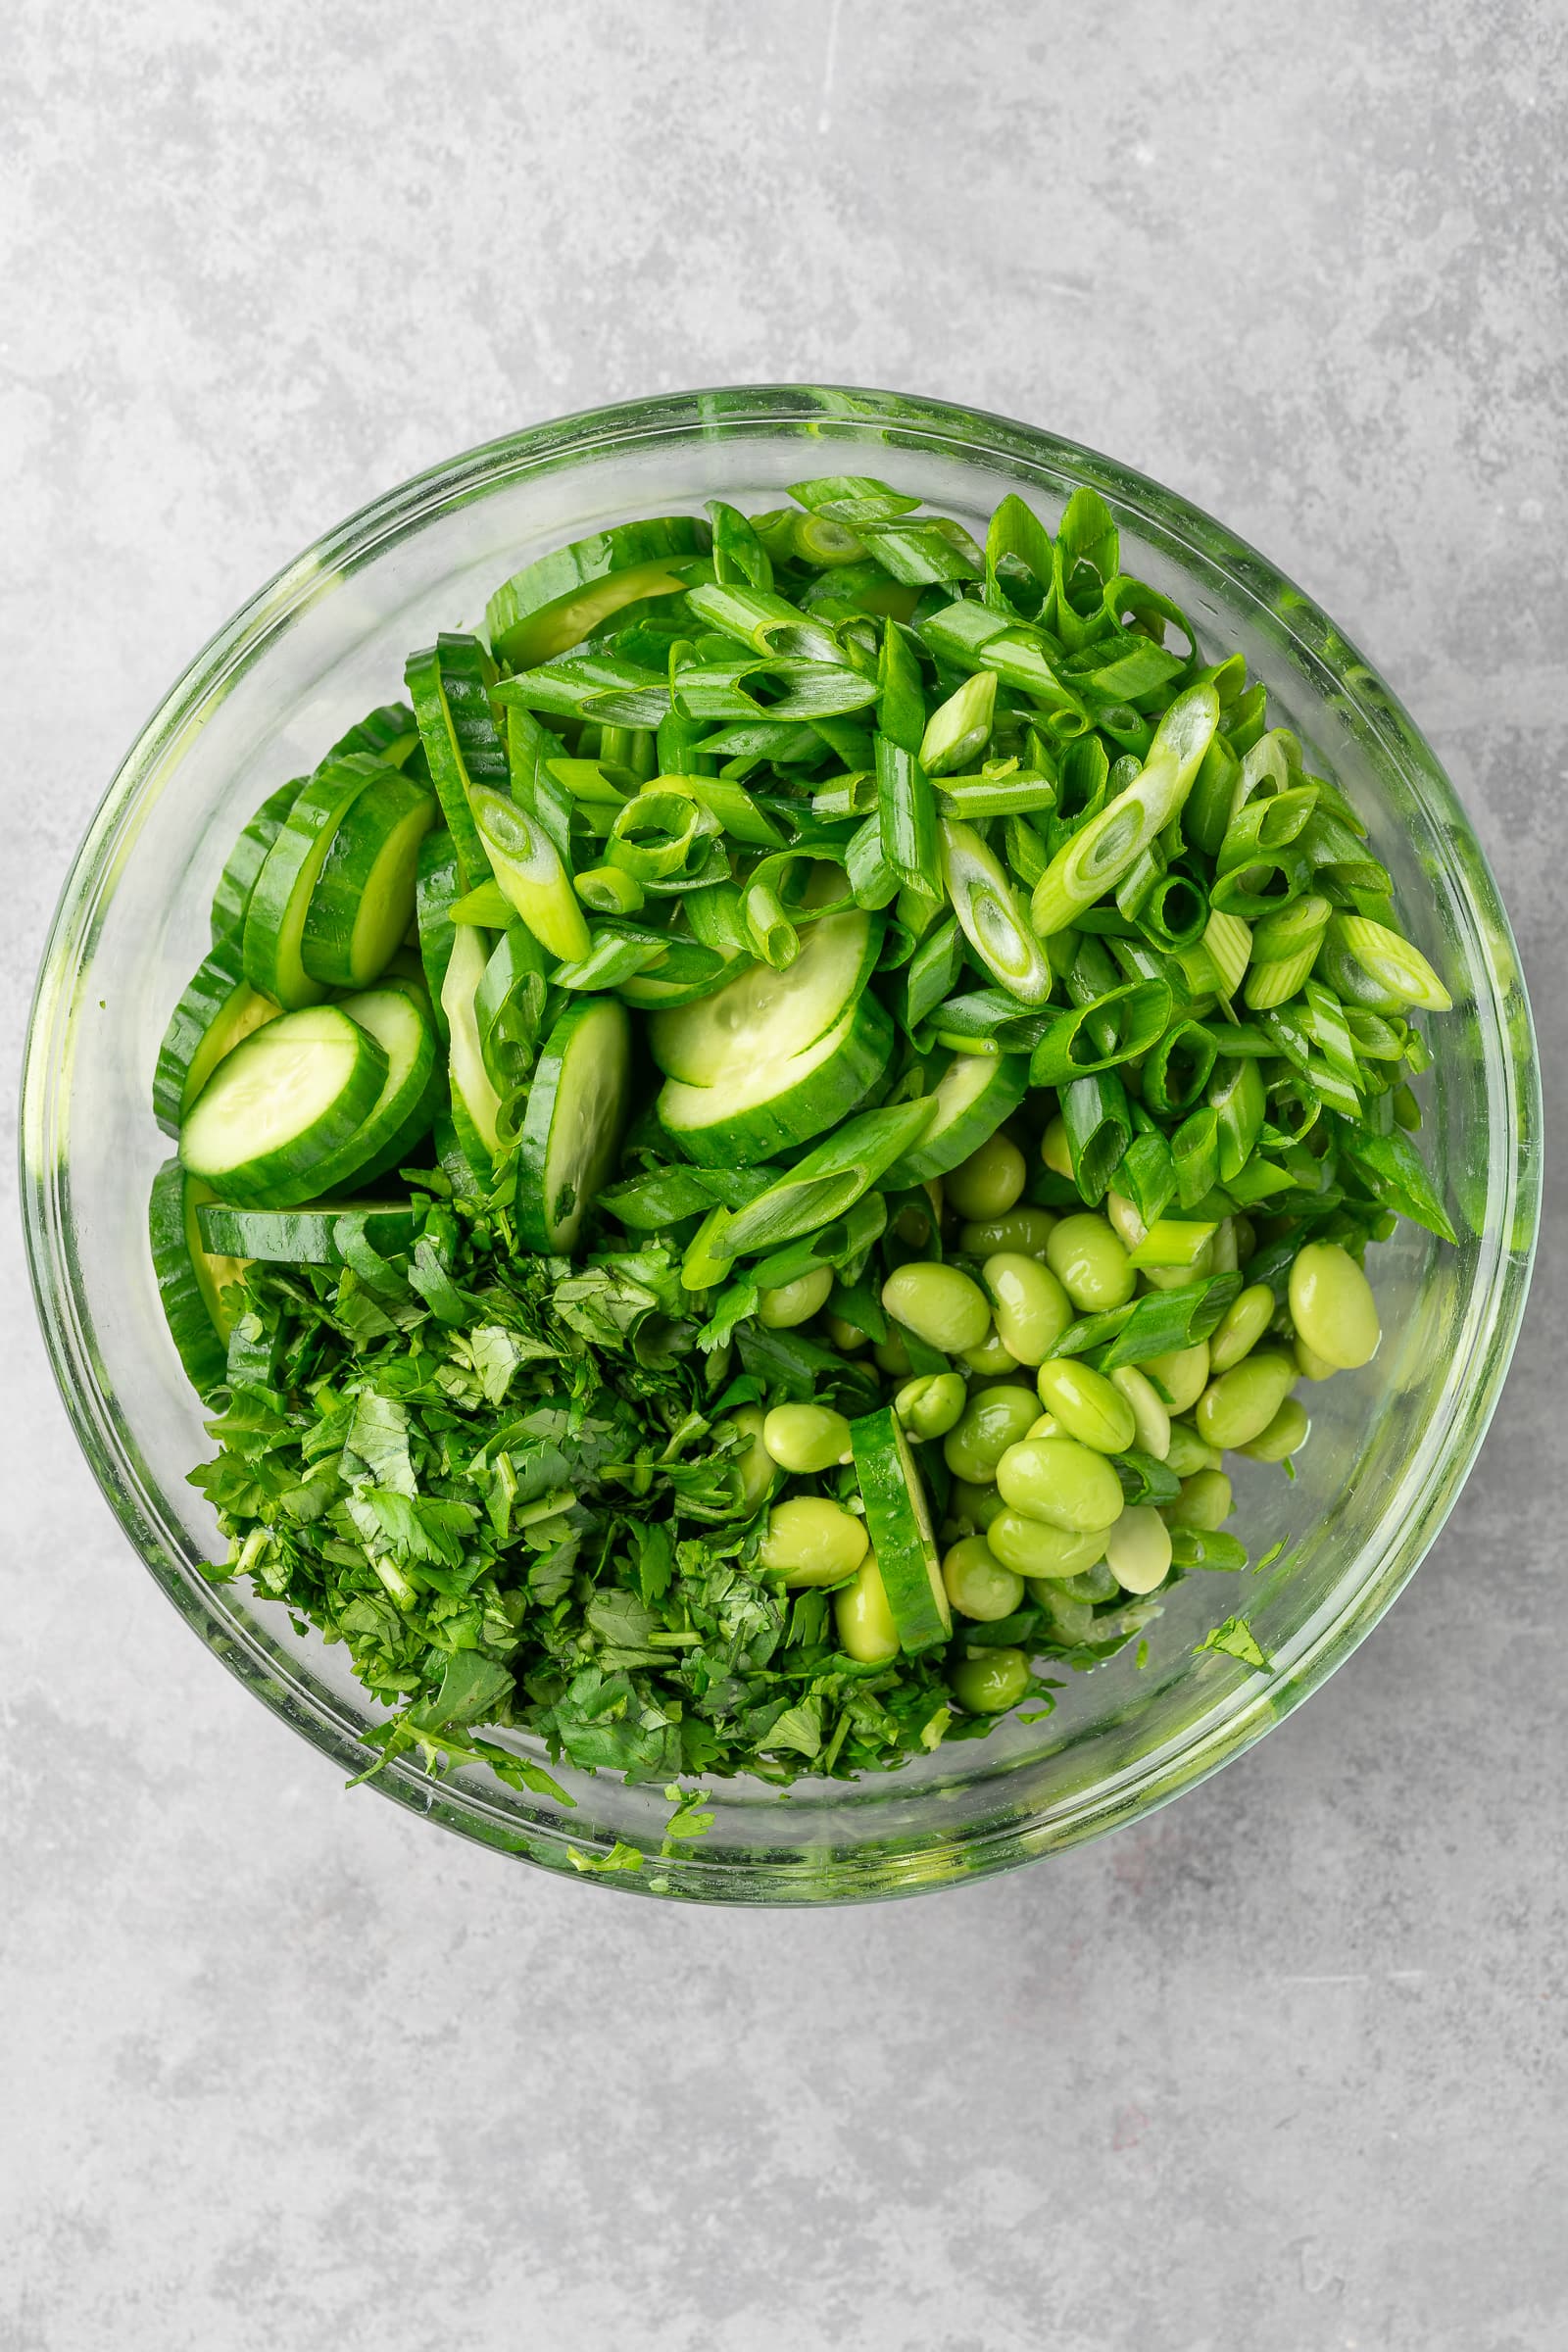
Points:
(1393, 964)
(958, 729)
(606, 890)
(1097, 857)
(989, 914)
(1098, 1126)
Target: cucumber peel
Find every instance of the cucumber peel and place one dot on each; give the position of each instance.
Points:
(554, 604)
(573, 1127)
(218, 1009)
(898, 1520)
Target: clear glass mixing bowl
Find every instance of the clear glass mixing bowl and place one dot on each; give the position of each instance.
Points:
(327, 640)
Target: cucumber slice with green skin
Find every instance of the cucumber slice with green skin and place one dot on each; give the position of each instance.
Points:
(190, 1279)
(398, 1016)
(763, 1014)
(975, 1092)
(475, 1100)
(362, 902)
(764, 1108)
(307, 1237)
(527, 866)
(554, 604)
(245, 859)
(279, 902)
(655, 992)
(391, 733)
(218, 1009)
(437, 887)
(449, 684)
(572, 1131)
(898, 1521)
(508, 1007)
(283, 1107)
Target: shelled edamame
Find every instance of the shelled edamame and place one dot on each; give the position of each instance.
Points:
(1031, 1057)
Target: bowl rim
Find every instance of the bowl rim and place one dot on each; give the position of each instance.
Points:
(1254, 1701)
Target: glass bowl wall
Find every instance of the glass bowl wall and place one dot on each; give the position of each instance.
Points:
(328, 639)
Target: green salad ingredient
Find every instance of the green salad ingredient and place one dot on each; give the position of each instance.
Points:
(746, 1156)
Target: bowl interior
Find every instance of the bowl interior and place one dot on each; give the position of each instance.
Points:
(327, 640)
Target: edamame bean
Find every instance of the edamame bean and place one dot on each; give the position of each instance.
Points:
(807, 1437)
(1242, 1326)
(1048, 1426)
(1098, 1583)
(1137, 1550)
(1225, 1257)
(1054, 1149)
(1241, 1403)
(795, 1301)
(845, 1336)
(864, 1620)
(1151, 1420)
(1066, 1484)
(1031, 1307)
(994, 1420)
(931, 1405)
(1183, 1375)
(1091, 1265)
(978, 1585)
(892, 1355)
(1188, 1452)
(811, 1540)
(754, 1464)
(1025, 1229)
(989, 1181)
(1087, 1405)
(1331, 1306)
(974, 1506)
(1068, 1619)
(940, 1305)
(1205, 1502)
(1037, 1551)
(988, 1682)
(1311, 1367)
(992, 1359)
(913, 1226)
(1285, 1435)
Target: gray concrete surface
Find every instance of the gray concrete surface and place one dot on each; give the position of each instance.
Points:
(1280, 2071)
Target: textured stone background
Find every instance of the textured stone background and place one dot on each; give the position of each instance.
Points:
(1280, 2071)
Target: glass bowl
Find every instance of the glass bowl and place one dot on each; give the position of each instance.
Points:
(324, 642)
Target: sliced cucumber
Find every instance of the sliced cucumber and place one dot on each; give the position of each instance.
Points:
(476, 1102)
(282, 1107)
(437, 889)
(307, 1237)
(279, 902)
(449, 684)
(766, 1015)
(762, 1108)
(363, 902)
(217, 1010)
(233, 893)
(554, 603)
(391, 733)
(399, 1018)
(572, 1131)
(898, 1521)
(975, 1092)
(190, 1279)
